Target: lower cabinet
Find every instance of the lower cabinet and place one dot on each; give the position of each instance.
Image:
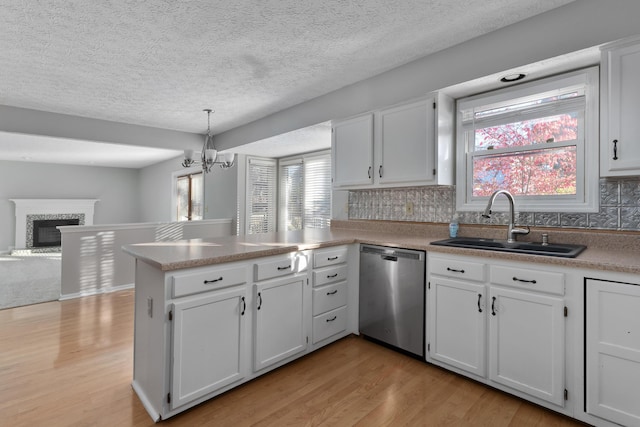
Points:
(207, 344)
(507, 329)
(526, 343)
(613, 351)
(279, 320)
(202, 331)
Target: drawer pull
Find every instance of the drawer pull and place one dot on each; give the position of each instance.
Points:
(332, 258)
(332, 319)
(332, 292)
(479, 307)
(493, 306)
(206, 282)
(284, 268)
(331, 276)
(515, 279)
(455, 270)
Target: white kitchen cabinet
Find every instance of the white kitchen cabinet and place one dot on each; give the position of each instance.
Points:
(458, 324)
(620, 108)
(412, 145)
(279, 320)
(352, 151)
(507, 330)
(526, 342)
(613, 351)
(330, 295)
(207, 344)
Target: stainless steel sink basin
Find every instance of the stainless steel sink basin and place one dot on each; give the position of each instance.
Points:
(552, 249)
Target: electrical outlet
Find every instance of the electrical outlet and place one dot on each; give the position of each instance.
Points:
(408, 208)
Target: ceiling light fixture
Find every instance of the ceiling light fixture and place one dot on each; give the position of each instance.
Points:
(209, 155)
(513, 77)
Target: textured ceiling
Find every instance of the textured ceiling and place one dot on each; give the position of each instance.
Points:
(160, 62)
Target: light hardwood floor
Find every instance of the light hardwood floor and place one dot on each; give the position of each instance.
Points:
(69, 363)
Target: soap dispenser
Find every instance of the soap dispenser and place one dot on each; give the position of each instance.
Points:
(453, 226)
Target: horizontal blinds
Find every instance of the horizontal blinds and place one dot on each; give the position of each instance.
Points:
(291, 191)
(317, 191)
(261, 196)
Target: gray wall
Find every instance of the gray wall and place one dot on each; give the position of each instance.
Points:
(155, 190)
(578, 25)
(117, 189)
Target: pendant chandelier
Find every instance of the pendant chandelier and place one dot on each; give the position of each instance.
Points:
(209, 155)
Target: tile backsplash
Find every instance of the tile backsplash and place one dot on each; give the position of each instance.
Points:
(619, 207)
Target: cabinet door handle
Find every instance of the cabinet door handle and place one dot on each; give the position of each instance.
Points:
(244, 306)
(369, 172)
(515, 279)
(284, 268)
(380, 171)
(493, 306)
(455, 270)
(615, 149)
(332, 319)
(332, 292)
(331, 276)
(479, 307)
(206, 282)
(259, 301)
(332, 258)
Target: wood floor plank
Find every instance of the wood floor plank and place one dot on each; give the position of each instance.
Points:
(70, 363)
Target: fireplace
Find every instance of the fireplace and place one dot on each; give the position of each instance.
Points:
(46, 234)
(37, 219)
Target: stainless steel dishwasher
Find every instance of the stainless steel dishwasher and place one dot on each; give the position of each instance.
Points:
(392, 297)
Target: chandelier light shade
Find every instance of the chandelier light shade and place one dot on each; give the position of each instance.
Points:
(209, 155)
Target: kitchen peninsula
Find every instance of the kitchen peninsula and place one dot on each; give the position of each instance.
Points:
(283, 295)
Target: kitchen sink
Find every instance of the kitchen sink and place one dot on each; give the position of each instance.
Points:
(551, 249)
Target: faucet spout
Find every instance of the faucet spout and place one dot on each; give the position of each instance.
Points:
(512, 230)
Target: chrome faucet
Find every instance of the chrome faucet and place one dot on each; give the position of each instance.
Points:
(512, 231)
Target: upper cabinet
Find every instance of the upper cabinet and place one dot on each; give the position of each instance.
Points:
(352, 151)
(403, 145)
(620, 108)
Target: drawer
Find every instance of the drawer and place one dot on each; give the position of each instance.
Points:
(324, 257)
(331, 323)
(279, 266)
(453, 267)
(329, 297)
(523, 278)
(327, 275)
(207, 280)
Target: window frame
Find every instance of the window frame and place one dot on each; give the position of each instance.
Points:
(302, 159)
(272, 222)
(189, 176)
(587, 146)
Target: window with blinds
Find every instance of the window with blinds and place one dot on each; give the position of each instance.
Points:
(534, 140)
(305, 192)
(261, 195)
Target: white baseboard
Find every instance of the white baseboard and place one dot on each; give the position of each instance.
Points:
(96, 291)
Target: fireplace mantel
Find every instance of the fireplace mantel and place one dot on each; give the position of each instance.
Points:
(26, 207)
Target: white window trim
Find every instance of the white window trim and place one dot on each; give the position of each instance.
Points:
(263, 161)
(297, 159)
(588, 176)
(174, 189)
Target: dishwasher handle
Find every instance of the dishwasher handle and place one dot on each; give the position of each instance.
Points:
(389, 258)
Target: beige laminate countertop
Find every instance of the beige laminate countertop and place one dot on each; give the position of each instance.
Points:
(605, 251)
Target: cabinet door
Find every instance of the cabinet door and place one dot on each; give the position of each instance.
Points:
(526, 342)
(619, 145)
(406, 136)
(613, 351)
(457, 324)
(352, 151)
(279, 320)
(207, 344)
